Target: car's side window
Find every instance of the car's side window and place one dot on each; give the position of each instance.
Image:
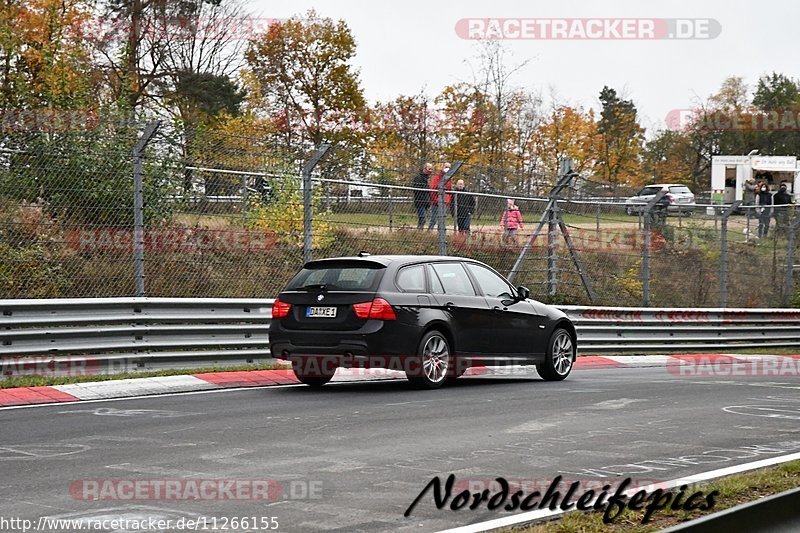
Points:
(411, 279)
(489, 283)
(454, 279)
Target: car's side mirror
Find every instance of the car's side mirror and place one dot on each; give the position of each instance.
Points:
(523, 293)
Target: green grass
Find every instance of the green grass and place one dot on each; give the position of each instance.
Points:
(39, 381)
(734, 490)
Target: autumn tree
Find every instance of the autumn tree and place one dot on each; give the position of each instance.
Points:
(621, 139)
(566, 133)
(779, 96)
(305, 77)
(401, 135)
(44, 61)
(668, 158)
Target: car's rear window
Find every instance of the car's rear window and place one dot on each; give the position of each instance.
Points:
(680, 190)
(338, 277)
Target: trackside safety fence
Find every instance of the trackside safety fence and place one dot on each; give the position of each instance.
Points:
(57, 337)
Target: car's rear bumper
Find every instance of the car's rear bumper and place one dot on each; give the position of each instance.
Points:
(375, 338)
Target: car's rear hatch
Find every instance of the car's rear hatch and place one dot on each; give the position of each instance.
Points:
(322, 295)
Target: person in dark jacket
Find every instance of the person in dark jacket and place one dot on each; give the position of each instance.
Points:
(464, 204)
(764, 201)
(422, 197)
(781, 201)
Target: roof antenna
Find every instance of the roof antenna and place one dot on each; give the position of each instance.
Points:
(362, 253)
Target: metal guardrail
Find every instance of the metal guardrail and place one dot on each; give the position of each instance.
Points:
(646, 329)
(770, 514)
(112, 335)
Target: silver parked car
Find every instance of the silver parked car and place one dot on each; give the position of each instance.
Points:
(681, 199)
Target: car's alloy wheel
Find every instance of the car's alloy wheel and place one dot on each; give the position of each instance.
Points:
(434, 361)
(560, 356)
(629, 211)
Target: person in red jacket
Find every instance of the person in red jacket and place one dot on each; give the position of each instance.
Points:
(511, 222)
(435, 180)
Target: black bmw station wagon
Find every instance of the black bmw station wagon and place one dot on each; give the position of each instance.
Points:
(429, 316)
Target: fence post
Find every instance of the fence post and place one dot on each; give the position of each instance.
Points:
(441, 205)
(551, 251)
(138, 206)
(564, 178)
(747, 232)
(723, 254)
(455, 211)
(307, 195)
(789, 280)
(597, 223)
(390, 209)
(648, 219)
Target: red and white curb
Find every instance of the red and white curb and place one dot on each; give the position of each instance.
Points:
(689, 365)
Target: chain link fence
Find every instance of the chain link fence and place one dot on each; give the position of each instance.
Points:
(233, 216)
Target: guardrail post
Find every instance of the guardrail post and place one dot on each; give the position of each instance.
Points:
(442, 205)
(307, 204)
(788, 289)
(138, 206)
(723, 254)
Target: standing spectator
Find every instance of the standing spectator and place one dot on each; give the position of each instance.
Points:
(434, 186)
(511, 221)
(781, 201)
(750, 191)
(764, 200)
(464, 206)
(421, 197)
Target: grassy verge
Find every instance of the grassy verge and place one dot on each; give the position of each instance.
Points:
(734, 490)
(39, 381)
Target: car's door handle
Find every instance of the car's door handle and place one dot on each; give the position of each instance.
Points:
(450, 305)
(497, 309)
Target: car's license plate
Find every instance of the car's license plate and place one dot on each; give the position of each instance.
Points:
(321, 312)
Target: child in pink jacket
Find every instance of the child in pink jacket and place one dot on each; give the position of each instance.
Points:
(511, 222)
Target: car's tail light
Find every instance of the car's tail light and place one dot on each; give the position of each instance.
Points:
(280, 309)
(377, 309)
(671, 198)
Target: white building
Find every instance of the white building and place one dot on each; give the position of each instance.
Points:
(729, 172)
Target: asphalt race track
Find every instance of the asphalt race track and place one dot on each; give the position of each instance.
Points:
(353, 456)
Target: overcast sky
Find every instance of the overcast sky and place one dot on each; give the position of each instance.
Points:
(410, 45)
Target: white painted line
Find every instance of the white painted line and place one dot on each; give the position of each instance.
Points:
(96, 390)
(644, 360)
(695, 478)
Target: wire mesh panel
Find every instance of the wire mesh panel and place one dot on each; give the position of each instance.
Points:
(224, 216)
(66, 213)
